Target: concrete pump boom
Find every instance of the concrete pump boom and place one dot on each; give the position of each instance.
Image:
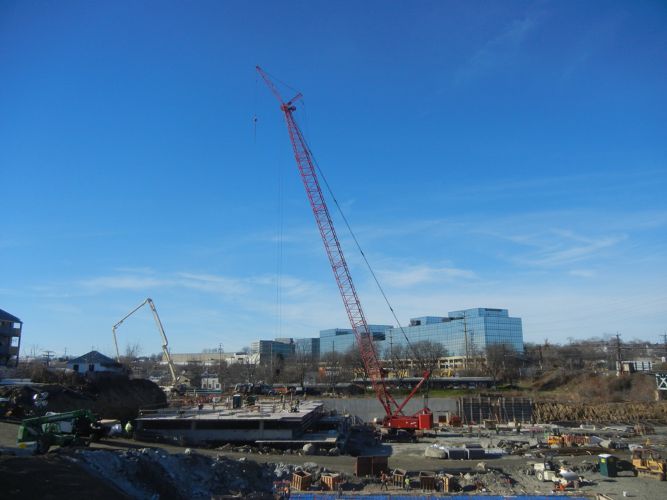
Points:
(165, 342)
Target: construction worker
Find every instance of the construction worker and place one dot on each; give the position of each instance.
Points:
(384, 479)
(129, 430)
(407, 483)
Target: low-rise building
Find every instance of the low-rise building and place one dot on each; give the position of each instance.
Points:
(210, 381)
(94, 362)
(212, 358)
(10, 339)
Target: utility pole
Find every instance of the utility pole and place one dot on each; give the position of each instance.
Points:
(47, 356)
(220, 360)
(465, 339)
(619, 358)
(391, 344)
(332, 365)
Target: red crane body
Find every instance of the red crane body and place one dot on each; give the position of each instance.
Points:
(394, 417)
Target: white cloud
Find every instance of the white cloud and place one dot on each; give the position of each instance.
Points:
(422, 274)
(592, 247)
(212, 283)
(499, 49)
(123, 282)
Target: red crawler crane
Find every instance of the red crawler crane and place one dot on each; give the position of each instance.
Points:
(394, 417)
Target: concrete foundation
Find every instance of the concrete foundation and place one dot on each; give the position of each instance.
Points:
(263, 422)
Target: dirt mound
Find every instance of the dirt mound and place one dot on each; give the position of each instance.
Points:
(601, 388)
(112, 397)
(586, 386)
(553, 380)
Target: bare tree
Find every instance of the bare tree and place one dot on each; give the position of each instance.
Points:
(249, 371)
(132, 351)
(502, 362)
(222, 370)
(397, 360)
(331, 369)
(244, 371)
(428, 354)
(194, 370)
(352, 365)
(301, 364)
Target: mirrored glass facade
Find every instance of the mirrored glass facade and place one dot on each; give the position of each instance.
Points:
(341, 340)
(471, 328)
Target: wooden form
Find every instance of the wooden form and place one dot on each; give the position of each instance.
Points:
(301, 480)
(331, 481)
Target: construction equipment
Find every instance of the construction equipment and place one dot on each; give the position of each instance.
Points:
(176, 385)
(648, 463)
(394, 418)
(74, 428)
(546, 471)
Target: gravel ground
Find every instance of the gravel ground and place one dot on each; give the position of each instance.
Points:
(409, 456)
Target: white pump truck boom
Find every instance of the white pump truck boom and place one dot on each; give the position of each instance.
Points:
(165, 342)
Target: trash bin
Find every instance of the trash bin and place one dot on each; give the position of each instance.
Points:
(607, 465)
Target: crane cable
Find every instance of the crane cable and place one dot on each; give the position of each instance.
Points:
(281, 225)
(354, 237)
(363, 255)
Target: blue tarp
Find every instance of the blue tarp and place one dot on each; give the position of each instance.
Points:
(313, 496)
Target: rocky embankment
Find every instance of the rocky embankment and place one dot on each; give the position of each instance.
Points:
(603, 413)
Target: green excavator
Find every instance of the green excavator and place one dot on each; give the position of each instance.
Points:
(73, 428)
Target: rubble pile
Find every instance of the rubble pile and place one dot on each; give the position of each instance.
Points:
(22, 398)
(148, 472)
(545, 411)
(488, 480)
(307, 449)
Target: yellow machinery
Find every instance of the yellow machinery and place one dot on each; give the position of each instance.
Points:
(648, 463)
(554, 440)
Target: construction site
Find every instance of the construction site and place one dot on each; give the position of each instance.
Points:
(115, 436)
(323, 250)
(273, 447)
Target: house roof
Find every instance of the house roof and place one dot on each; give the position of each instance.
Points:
(5, 316)
(94, 357)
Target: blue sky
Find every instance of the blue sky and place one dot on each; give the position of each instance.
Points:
(499, 154)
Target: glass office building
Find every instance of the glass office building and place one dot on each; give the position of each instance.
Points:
(341, 340)
(307, 347)
(477, 328)
(266, 350)
(461, 333)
